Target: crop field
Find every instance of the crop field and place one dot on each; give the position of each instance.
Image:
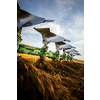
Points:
(40, 78)
(34, 58)
(78, 61)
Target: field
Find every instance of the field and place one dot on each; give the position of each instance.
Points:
(34, 58)
(43, 79)
(78, 61)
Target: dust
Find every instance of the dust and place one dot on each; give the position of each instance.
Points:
(54, 80)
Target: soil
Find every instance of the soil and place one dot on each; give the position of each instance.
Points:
(53, 80)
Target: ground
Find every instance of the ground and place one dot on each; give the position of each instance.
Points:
(40, 78)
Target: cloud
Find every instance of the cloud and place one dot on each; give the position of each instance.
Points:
(79, 57)
(80, 43)
(81, 51)
(28, 41)
(28, 30)
(82, 55)
(52, 47)
(80, 48)
(55, 28)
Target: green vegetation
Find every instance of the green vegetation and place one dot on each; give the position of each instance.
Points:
(22, 48)
(43, 50)
(19, 39)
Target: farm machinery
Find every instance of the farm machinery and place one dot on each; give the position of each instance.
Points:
(25, 19)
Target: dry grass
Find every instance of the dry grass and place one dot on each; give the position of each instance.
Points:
(78, 61)
(34, 58)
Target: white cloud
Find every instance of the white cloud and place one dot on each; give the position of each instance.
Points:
(79, 57)
(80, 43)
(55, 28)
(52, 47)
(80, 48)
(28, 41)
(81, 51)
(34, 44)
(29, 30)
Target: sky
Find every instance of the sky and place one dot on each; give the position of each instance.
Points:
(69, 22)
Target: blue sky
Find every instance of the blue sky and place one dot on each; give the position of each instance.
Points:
(69, 22)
